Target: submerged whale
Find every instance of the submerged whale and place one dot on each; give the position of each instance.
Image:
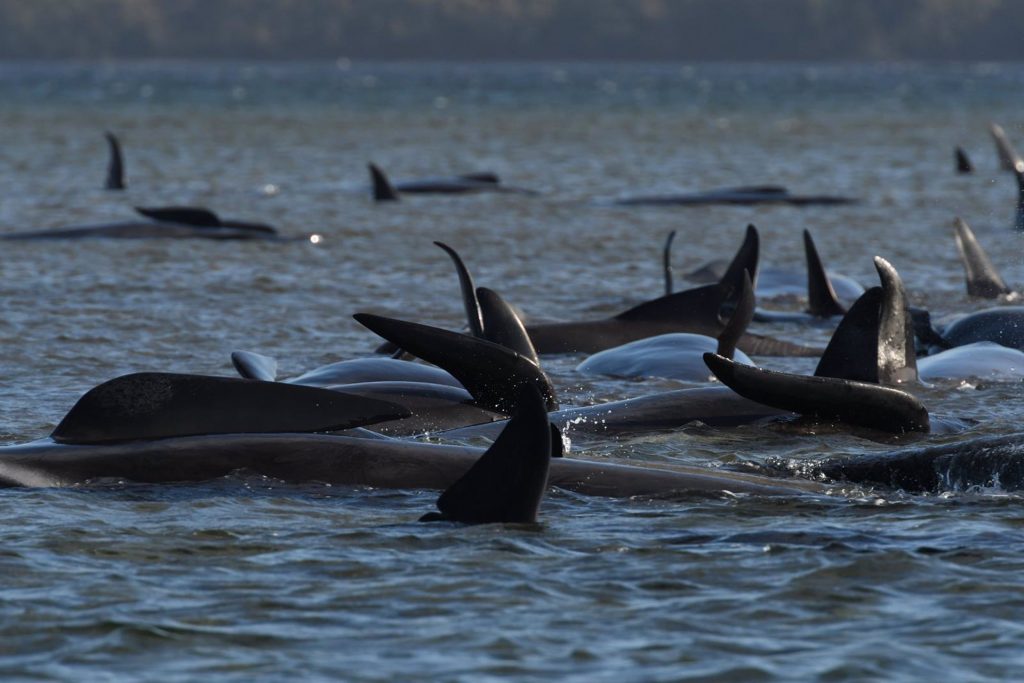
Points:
(115, 165)
(744, 195)
(168, 222)
(384, 190)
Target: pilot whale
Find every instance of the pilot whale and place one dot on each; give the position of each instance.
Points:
(115, 165)
(384, 190)
(744, 195)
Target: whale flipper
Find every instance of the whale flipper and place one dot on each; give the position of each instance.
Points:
(821, 297)
(469, 295)
(507, 483)
(503, 326)
(738, 321)
(152, 405)
(383, 190)
(963, 163)
(1008, 156)
(666, 262)
(185, 215)
(983, 280)
(115, 167)
(489, 371)
(254, 366)
(857, 403)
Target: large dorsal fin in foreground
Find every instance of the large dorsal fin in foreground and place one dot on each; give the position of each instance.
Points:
(666, 262)
(503, 326)
(738, 322)
(153, 405)
(897, 355)
(468, 289)
(254, 366)
(983, 280)
(963, 163)
(383, 190)
(857, 403)
(507, 483)
(1008, 156)
(115, 167)
(699, 303)
(852, 352)
(490, 372)
(184, 215)
(821, 297)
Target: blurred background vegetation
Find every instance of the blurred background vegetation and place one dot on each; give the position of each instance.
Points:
(514, 29)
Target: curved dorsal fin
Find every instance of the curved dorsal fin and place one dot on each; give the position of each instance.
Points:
(383, 190)
(503, 326)
(852, 352)
(1008, 156)
(897, 356)
(254, 366)
(184, 215)
(506, 484)
(983, 279)
(154, 405)
(469, 297)
(746, 259)
(738, 322)
(115, 167)
(482, 177)
(858, 403)
(489, 371)
(666, 262)
(821, 297)
(963, 163)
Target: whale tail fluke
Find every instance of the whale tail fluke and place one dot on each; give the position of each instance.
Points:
(383, 190)
(822, 301)
(507, 483)
(983, 280)
(254, 366)
(115, 167)
(963, 162)
(741, 316)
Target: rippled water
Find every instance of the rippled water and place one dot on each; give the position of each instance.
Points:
(242, 579)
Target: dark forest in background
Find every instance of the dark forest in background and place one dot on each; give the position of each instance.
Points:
(514, 29)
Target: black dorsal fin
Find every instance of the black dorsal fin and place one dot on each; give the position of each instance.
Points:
(507, 483)
(897, 355)
(666, 262)
(473, 315)
(254, 366)
(1018, 171)
(857, 403)
(489, 371)
(1008, 156)
(852, 352)
(482, 177)
(738, 322)
(115, 167)
(700, 304)
(183, 215)
(503, 326)
(821, 297)
(383, 190)
(154, 405)
(963, 162)
(983, 280)
(746, 259)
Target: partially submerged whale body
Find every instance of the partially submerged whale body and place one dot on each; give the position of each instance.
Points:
(743, 195)
(1000, 324)
(384, 190)
(982, 360)
(168, 222)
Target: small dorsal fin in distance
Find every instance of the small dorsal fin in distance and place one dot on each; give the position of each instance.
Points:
(115, 167)
(666, 262)
(502, 324)
(383, 190)
(491, 373)
(897, 355)
(153, 405)
(1008, 156)
(983, 280)
(473, 315)
(857, 403)
(741, 316)
(746, 259)
(482, 177)
(254, 366)
(822, 301)
(183, 215)
(852, 352)
(507, 483)
(963, 162)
